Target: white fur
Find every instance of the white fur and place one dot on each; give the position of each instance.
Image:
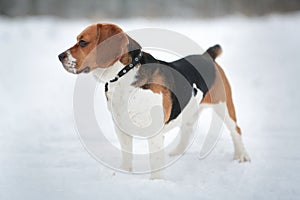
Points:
(132, 106)
(71, 61)
(122, 98)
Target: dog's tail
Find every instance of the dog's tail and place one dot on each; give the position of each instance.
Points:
(214, 51)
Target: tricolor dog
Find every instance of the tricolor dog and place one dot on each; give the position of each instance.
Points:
(127, 70)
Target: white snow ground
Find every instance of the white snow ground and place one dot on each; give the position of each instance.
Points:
(41, 156)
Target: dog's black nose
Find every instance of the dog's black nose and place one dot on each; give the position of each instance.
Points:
(61, 56)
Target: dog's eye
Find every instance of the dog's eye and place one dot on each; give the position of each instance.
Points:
(83, 43)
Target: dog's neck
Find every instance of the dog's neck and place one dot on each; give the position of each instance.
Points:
(126, 63)
(106, 74)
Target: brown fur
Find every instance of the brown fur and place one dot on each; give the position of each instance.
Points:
(107, 44)
(152, 79)
(221, 92)
(159, 86)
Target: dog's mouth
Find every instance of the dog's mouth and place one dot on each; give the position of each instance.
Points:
(73, 70)
(87, 69)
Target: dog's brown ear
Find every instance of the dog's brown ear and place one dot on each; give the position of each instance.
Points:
(112, 43)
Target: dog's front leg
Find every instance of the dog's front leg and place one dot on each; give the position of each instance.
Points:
(126, 147)
(186, 132)
(156, 152)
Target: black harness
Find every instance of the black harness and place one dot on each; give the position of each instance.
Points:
(125, 69)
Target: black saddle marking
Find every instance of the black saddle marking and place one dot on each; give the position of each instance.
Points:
(180, 75)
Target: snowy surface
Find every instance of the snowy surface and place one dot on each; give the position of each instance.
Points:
(41, 156)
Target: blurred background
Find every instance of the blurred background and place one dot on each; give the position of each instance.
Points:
(145, 8)
(41, 156)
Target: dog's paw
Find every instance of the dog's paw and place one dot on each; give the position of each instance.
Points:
(242, 156)
(179, 150)
(174, 153)
(126, 168)
(156, 176)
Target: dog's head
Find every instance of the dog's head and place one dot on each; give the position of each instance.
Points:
(98, 46)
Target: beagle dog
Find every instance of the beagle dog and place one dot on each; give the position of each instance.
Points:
(135, 80)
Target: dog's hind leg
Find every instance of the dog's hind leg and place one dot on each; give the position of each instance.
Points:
(227, 114)
(220, 98)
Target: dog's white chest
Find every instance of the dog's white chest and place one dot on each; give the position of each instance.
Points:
(132, 106)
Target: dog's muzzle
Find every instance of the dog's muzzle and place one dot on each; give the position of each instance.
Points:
(69, 63)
